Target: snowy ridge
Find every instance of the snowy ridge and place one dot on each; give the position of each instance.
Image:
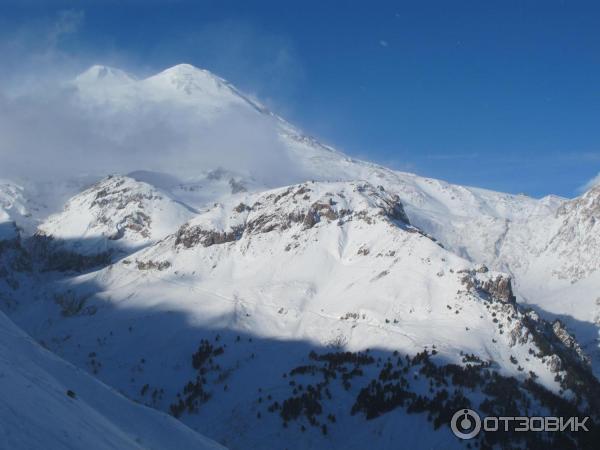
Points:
(310, 203)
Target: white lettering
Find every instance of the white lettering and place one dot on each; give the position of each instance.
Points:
(505, 420)
(569, 423)
(524, 421)
(552, 423)
(582, 424)
(540, 420)
(487, 426)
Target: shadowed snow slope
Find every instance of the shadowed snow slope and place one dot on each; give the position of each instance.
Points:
(48, 403)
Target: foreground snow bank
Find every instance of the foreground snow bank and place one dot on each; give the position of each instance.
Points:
(48, 403)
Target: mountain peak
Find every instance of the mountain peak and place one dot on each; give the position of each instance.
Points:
(184, 68)
(188, 71)
(190, 79)
(103, 73)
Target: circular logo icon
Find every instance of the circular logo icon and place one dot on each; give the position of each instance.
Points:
(465, 424)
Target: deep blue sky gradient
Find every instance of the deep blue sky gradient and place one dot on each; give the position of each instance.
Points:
(500, 94)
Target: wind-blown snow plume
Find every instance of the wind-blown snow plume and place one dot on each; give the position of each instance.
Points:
(38, 129)
(591, 183)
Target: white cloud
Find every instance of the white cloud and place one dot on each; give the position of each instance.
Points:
(46, 132)
(44, 135)
(590, 184)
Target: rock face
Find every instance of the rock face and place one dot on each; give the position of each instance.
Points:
(317, 210)
(500, 288)
(190, 236)
(568, 340)
(578, 238)
(496, 285)
(554, 363)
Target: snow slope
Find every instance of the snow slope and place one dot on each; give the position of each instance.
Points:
(37, 411)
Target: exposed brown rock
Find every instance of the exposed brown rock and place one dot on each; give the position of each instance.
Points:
(499, 288)
(190, 236)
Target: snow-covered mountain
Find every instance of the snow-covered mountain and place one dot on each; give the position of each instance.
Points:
(254, 294)
(335, 313)
(524, 236)
(182, 83)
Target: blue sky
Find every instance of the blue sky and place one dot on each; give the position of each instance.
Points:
(503, 95)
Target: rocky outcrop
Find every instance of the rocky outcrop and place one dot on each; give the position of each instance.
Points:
(568, 340)
(554, 363)
(112, 192)
(152, 265)
(395, 210)
(241, 208)
(137, 222)
(497, 287)
(318, 210)
(500, 288)
(190, 236)
(555, 342)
